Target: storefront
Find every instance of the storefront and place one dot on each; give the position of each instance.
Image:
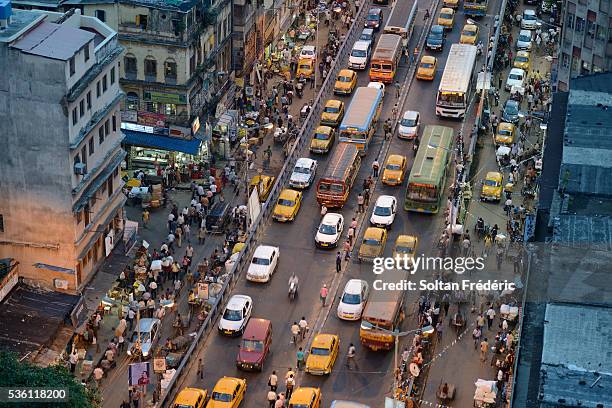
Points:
(224, 134)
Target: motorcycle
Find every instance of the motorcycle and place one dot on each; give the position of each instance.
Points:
(280, 134)
(299, 90)
(293, 290)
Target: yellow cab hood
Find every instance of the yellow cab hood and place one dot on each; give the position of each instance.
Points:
(369, 250)
(283, 210)
(490, 190)
(392, 174)
(333, 117)
(218, 404)
(319, 144)
(317, 362)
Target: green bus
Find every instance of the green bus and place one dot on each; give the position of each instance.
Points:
(428, 175)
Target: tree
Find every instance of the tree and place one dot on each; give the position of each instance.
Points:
(14, 373)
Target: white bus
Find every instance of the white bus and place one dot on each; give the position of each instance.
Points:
(456, 85)
(401, 19)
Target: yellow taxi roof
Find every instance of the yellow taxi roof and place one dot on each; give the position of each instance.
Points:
(470, 27)
(333, 103)
(189, 396)
(303, 395)
(288, 194)
(346, 72)
(323, 340)
(324, 129)
(428, 59)
(447, 10)
(374, 232)
(505, 126)
(309, 61)
(523, 54)
(395, 159)
(227, 384)
(493, 175)
(262, 177)
(406, 240)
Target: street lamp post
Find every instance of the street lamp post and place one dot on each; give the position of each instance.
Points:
(396, 336)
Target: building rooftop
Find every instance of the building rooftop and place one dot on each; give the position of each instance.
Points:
(182, 5)
(55, 41)
(20, 21)
(576, 356)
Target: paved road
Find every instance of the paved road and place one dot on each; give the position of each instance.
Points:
(372, 380)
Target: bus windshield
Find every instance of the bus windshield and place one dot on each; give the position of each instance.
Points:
(451, 99)
(387, 67)
(330, 188)
(353, 135)
(422, 193)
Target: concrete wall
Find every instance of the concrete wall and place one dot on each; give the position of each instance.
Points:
(34, 165)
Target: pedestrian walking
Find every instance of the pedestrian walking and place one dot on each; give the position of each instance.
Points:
(273, 381)
(145, 218)
(350, 356)
(398, 87)
(360, 202)
(295, 332)
(351, 235)
(490, 316)
(289, 384)
(480, 321)
(323, 294)
(280, 402)
(300, 355)
(347, 250)
(476, 333)
(303, 324)
(136, 398)
(439, 331)
(484, 348)
(375, 167)
(271, 398)
(98, 373)
(338, 262)
(73, 359)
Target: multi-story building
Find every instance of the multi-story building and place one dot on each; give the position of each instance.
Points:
(247, 36)
(586, 40)
(61, 209)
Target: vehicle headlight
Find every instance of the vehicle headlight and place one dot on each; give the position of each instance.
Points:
(145, 353)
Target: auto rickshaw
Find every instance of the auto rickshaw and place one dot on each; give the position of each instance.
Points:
(445, 392)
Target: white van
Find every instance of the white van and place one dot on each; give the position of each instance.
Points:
(360, 55)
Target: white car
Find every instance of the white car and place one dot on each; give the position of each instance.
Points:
(353, 299)
(409, 125)
(529, 20)
(378, 85)
(360, 55)
(329, 231)
(263, 264)
(236, 315)
(308, 52)
(524, 40)
(303, 173)
(516, 77)
(384, 211)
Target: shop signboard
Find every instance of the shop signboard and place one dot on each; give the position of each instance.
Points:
(151, 119)
(139, 373)
(164, 97)
(159, 365)
(129, 116)
(180, 132)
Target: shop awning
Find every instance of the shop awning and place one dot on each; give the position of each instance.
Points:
(143, 139)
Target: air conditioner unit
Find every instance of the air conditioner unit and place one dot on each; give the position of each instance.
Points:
(80, 168)
(60, 283)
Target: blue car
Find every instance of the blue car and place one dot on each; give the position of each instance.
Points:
(435, 38)
(511, 111)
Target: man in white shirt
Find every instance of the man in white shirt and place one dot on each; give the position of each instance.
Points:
(213, 188)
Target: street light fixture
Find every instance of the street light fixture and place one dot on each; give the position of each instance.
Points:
(365, 325)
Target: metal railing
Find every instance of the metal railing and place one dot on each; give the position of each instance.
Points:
(256, 229)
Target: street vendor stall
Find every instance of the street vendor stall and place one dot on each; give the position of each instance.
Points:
(485, 394)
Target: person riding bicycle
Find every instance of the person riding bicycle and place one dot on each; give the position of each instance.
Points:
(293, 282)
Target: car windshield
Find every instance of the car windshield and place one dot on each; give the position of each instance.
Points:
(521, 58)
(351, 299)
(221, 396)
(446, 16)
(285, 202)
(426, 65)
(331, 187)
(469, 32)
(511, 109)
(318, 351)
(491, 183)
(371, 241)
(303, 170)
(372, 17)
(365, 37)
(382, 211)
(331, 109)
(252, 345)
(404, 249)
(437, 30)
(321, 136)
(260, 261)
(307, 52)
(327, 229)
(232, 315)
(408, 122)
(305, 66)
(393, 166)
(517, 77)
(524, 38)
(530, 17)
(504, 132)
(359, 53)
(144, 337)
(344, 79)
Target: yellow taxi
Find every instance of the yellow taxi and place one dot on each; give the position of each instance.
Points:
(287, 206)
(190, 398)
(264, 185)
(451, 3)
(323, 354)
(405, 245)
(505, 133)
(346, 82)
(228, 393)
(469, 34)
(333, 112)
(305, 397)
(492, 187)
(427, 68)
(446, 18)
(373, 243)
(306, 67)
(393, 174)
(322, 139)
(522, 60)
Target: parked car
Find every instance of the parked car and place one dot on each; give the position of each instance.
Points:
(524, 40)
(149, 330)
(374, 19)
(435, 38)
(263, 264)
(263, 184)
(303, 173)
(329, 231)
(409, 125)
(236, 315)
(529, 20)
(384, 211)
(218, 217)
(353, 299)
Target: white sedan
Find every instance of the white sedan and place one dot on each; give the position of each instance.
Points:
(303, 174)
(263, 264)
(353, 299)
(236, 315)
(330, 230)
(384, 211)
(308, 52)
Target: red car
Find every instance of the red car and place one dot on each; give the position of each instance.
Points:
(255, 345)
